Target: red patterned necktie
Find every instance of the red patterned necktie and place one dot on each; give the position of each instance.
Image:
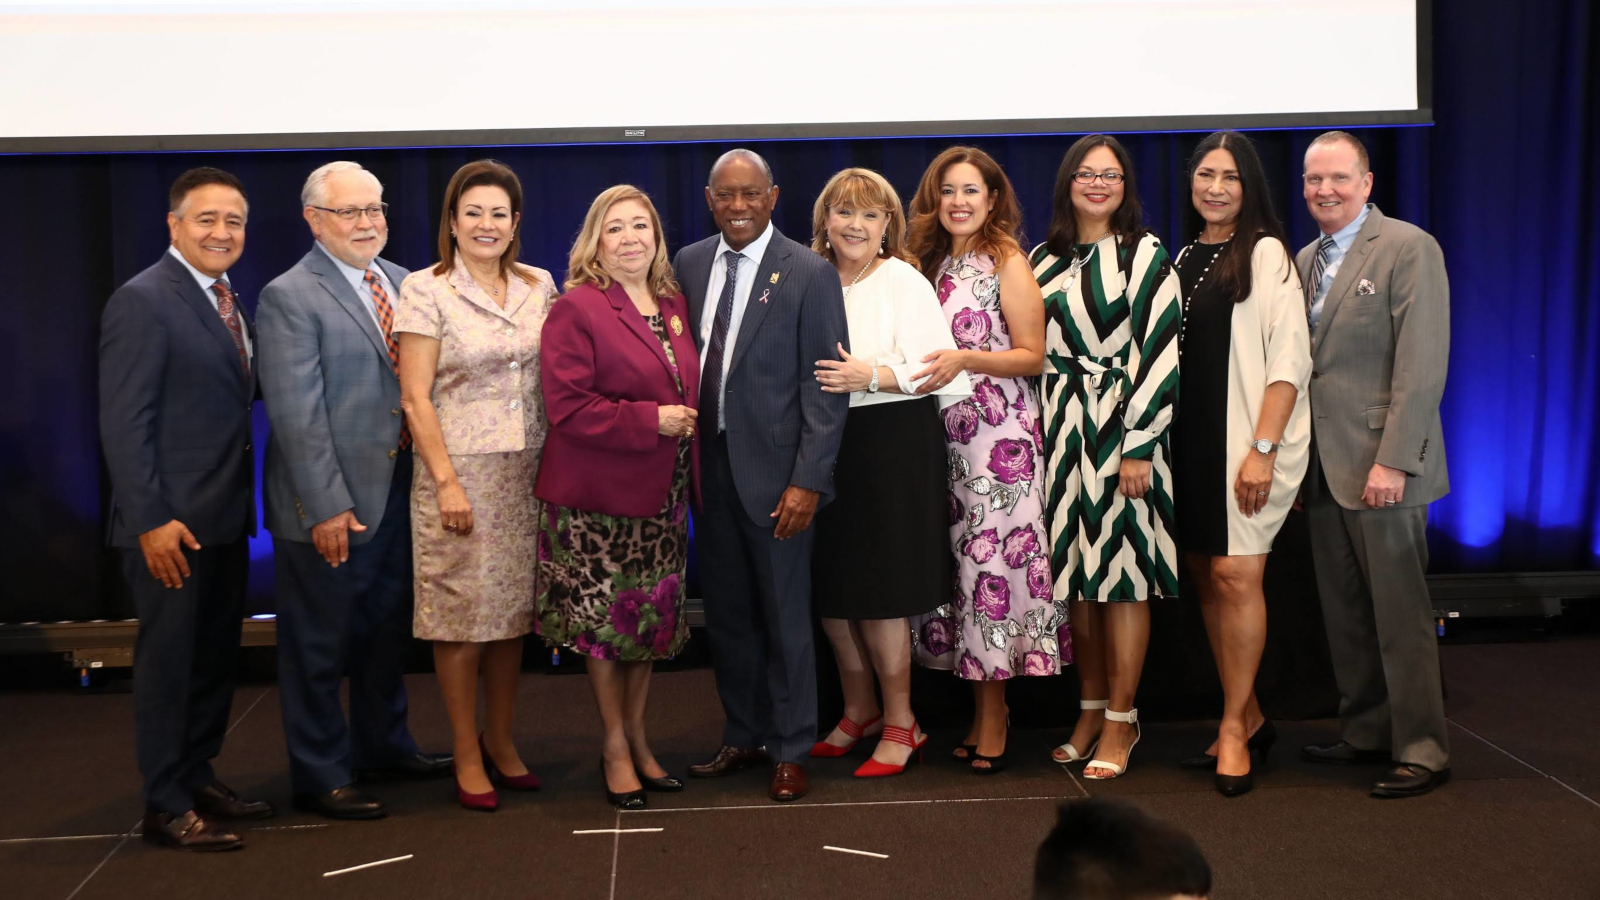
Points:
(380, 299)
(230, 319)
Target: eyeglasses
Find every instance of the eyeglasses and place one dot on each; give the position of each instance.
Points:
(351, 213)
(1089, 177)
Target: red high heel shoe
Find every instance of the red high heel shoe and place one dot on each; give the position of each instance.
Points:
(907, 736)
(528, 782)
(826, 750)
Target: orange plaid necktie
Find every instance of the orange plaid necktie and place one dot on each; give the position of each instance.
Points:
(380, 299)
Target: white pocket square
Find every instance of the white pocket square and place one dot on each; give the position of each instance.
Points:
(1364, 287)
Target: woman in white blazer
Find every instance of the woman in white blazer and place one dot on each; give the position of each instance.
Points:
(1242, 437)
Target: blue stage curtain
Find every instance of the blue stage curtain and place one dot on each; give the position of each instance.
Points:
(1505, 180)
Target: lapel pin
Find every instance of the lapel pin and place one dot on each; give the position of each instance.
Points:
(677, 326)
(773, 279)
(765, 296)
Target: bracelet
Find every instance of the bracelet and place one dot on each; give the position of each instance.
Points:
(872, 386)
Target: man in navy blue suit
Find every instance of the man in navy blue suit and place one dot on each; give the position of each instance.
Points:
(176, 388)
(764, 309)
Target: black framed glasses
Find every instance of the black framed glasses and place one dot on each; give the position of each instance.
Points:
(351, 213)
(1089, 177)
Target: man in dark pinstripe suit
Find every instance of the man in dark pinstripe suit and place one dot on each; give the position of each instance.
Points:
(764, 310)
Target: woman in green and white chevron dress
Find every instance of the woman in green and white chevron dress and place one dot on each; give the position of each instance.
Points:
(1109, 385)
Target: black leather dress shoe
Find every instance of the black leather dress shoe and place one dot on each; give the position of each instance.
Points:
(1340, 753)
(187, 831)
(217, 799)
(421, 767)
(1408, 780)
(346, 802)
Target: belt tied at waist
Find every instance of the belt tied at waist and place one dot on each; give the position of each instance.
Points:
(1103, 374)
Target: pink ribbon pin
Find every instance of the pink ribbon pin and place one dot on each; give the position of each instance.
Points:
(765, 295)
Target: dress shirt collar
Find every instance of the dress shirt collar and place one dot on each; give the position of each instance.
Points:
(205, 281)
(356, 277)
(1346, 236)
(752, 251)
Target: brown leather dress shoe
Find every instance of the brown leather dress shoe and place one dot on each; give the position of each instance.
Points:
(217, 799)
(788, 782)
(187, 832)
(729, 760)
(1409, 780)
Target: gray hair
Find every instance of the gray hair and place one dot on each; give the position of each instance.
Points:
(742, 153)
(315, 192)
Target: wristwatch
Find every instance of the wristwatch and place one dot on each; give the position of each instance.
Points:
(1263, 446)
(872, 386)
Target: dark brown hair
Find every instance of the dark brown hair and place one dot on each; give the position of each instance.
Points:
(1001, 234)
(199, 178)
(1127, 222)
(1257, 219)
(477, 174)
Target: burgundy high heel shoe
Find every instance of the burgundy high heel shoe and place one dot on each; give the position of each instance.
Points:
(488, 802)
(528, 782)
(825, 750)
(907, 736)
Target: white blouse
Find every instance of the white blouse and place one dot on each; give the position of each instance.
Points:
(895, 321)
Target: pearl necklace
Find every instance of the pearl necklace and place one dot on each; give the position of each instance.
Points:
(858, 276)
(1183, 324)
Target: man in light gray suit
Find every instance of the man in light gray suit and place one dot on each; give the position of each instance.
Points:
(764, 309)
(1378, 302)
(338, 491)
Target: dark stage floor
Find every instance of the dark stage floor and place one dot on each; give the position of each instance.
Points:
(1521, 819)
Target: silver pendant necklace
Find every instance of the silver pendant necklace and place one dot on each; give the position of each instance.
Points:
(1077, 265)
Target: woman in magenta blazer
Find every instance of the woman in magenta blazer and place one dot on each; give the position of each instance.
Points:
(620, 379)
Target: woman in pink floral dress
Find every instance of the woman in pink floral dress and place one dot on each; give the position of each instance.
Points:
(1002, 621)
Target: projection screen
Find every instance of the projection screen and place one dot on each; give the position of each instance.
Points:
(124, 75)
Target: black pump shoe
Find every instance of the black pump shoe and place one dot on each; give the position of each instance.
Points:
(1261, 742)
(1234, 785)
(624, 799)
(666, 784)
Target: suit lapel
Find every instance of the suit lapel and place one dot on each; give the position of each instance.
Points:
(334, 282)
(769, 282)
(631, 319)
(1350, 269)
(695, 277)
(195, 298)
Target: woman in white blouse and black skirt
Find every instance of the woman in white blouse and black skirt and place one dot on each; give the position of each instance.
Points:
(869, 577)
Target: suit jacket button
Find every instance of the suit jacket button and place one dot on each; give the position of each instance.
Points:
(393, 453)
(247, 448)
(1316, 374)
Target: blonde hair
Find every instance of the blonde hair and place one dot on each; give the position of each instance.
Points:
(864, 189)
(583, 263)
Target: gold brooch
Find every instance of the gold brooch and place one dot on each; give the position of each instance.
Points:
(774, 279)
(677, 326)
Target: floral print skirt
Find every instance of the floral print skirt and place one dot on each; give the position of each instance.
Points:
(612, 587)
(477, 587)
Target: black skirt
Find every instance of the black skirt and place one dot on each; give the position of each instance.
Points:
(883, 545)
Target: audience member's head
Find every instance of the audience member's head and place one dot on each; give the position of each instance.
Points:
(1107, 850)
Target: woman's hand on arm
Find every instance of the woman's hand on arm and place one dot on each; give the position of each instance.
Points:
(847, 374)
(419, 363)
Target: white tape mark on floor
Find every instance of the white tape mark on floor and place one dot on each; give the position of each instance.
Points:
(381, 862)
(617, 830)
(856, 852)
